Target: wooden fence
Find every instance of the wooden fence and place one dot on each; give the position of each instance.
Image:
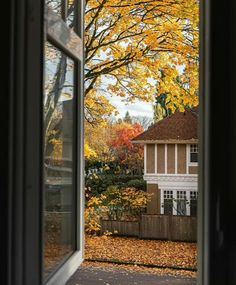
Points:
(175, 228)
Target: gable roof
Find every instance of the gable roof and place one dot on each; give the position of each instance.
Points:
(179, 127)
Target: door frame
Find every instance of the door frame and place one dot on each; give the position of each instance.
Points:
(25, 148)
(21, 153)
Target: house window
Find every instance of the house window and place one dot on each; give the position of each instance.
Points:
(64, 9)
(193, 203)
(58, 158)
(62, 110)
(181, 203)
(194, 153)
(168, 202)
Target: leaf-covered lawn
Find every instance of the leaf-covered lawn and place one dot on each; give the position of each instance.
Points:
(148, 252)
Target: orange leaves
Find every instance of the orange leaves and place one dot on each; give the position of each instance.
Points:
(148, 252)
(122, 148)
(124, 133)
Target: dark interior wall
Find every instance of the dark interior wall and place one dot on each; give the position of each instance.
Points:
(20, 151)
(218, 132)
(4, 137)
(229, 200)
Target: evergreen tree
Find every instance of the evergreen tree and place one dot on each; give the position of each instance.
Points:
(127, 119)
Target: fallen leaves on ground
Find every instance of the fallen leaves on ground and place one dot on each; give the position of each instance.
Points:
(148, 252)
(54, 254)
(140, 269)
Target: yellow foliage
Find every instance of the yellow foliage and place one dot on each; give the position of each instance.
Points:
(96, 138)
(93, 212)
(89, 152)
(57, 150)
(115, 204)
(130, 42)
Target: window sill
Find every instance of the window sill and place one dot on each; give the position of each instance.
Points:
(193, 164)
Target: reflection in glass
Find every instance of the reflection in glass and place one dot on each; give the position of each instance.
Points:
(63, 8)
(58, 153)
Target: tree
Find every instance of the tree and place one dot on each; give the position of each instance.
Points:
(130, 42)
(160, 109)
(127, 118)
(127, 155)
(138, 50)
(144, 121)
(96, 138)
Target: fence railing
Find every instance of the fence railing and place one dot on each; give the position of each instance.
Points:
(164, 227)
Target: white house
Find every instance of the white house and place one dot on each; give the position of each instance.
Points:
(171, 164)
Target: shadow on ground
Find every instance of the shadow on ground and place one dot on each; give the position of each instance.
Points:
(104, 276)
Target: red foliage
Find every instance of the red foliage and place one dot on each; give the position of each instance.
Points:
(124, 133)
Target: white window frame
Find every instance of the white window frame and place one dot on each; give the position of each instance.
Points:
(193, 196)
(190, 163)
(167, 194)
(188, 194)
(182, 195)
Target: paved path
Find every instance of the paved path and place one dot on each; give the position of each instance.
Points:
(104, 276)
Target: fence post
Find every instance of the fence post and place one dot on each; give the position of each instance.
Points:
(140, 226)
(169, 227)
(101, 229)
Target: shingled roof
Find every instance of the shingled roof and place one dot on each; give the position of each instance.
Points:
(181, 126)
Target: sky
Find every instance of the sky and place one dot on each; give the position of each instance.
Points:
(138, 108)
(135, 109)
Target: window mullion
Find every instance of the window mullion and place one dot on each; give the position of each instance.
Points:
(175, 202)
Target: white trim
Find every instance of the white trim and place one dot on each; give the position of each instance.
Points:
(192, 164)
(189, 162)
(188, 204)
(176, 158)
(187, 157)
(166, 159)
(174, 209)
(170, 174)
(162, 201)
(174, 192)
(162, 176)
(155, 162)
(61, 276)
(174, 182)
(171, 141)
(145, 159)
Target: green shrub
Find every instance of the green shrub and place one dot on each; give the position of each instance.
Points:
(125, 203)
(98, 183)
(139, 184)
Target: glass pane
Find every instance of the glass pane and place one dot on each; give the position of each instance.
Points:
(63, 8)
(168, 206)
(70, 13)
(58, 154)
(193, 207)
(194, 157)
(55, 5)
(181, 207)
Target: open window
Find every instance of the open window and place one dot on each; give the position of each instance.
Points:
(45, 122)
(62, 141)
(23, 162)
